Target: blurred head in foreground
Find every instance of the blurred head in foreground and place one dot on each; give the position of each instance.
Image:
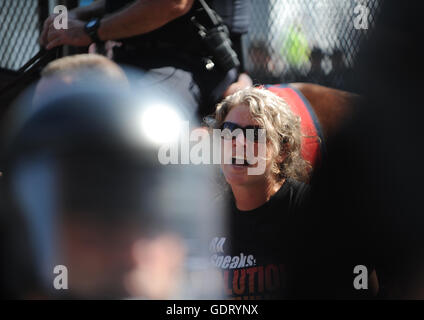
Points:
(77, 69)
(83, 172)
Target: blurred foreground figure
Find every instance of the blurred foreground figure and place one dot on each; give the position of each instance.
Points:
(367, 198)
(72, 70)
(105, 219)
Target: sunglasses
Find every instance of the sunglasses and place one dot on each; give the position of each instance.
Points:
(254, 134)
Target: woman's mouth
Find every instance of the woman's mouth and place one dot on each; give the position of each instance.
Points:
(240, 162)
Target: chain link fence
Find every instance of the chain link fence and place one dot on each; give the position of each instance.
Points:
(19, 32)
(307, 40)
(289, 40)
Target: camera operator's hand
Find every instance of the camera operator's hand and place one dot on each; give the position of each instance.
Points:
(44, 33)
(49, 21)
(74, 35)
(243, 82)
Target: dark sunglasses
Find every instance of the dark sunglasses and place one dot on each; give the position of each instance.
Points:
(254, 131)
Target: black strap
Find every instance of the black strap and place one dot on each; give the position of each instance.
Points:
(211, 14)
(34, 65)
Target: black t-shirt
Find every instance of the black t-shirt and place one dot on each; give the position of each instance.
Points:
(254, 253)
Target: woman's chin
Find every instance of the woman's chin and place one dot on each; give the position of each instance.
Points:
(235, 175)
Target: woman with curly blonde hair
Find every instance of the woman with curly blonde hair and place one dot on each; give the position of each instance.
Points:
(254, 255)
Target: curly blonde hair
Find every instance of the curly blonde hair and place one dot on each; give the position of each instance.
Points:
(281, 124)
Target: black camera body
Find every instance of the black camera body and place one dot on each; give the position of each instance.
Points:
(215, 37)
